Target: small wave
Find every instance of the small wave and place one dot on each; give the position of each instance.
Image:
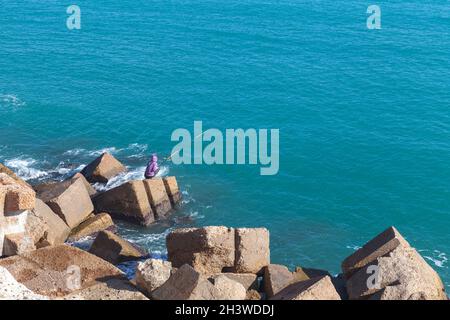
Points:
(91, 153)
(134, 150)
(11, 100)
(195, 215)
(353, 247)
(439, 259)
(137, 150)
(131, 174)
(154, 242)
(74, 152)
(64, 171)
(25, 168)
(110, 150)
(187, 198)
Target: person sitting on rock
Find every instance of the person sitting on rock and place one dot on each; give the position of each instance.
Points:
(152, 168)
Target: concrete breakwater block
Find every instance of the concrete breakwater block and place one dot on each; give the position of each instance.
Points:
(140, 201)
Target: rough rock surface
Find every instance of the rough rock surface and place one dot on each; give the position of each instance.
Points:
(90, 189)
(248, 280)
(128, 201)
(186, 284)
(15, 195)
(17, 243)
(103, 169)
(59, 270)
(14, 237)
(320, 288)
(208, 250)
(91, 226)
(158, 198)
(10, 289)
(69, 200)
(252, 250)
(36, 226)
(113, 289)
(4, 169)
(151, 274)
(402, 274)
(276, 278)
(301, 273)
(253, 295)
(173, 192)
(57, 230)
(228, 289)
(382, 244)
(14, 222)
(115, 249)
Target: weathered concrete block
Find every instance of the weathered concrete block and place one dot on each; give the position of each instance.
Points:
(11, 225)
(17, 243)
(69, 200)
(115, 249)
(186, 284)
(59, 270)
(36, 227)
(382, 244)
(276, 278)
(92, 226)
(208, 250)
(4, 169)
(402, 274)
(128, 201)
(15, 195)
(320, 288)
(10, 289)
(173, 192)
(2, 237)
(253, 295)
(248, 280)
(158, 197)
(113, 289)
(151, 274)
(15, 222)
(90, 189)
(57, 231)
(103, 169)
(228, 289)
(252, 250)
(302, 273)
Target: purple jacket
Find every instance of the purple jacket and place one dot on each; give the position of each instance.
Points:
(152, 167)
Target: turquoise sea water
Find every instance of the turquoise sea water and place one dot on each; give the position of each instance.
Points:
(363, 114)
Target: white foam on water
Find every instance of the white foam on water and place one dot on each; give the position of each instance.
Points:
(154, 242)
(11, 100)
(194, 214)
(62, 171)
(135, 150)
(131, 174)
(139, 150)
(186, 199)
(110, 150)
(74, 152)
(438, 258)
(25, 168)
(91, 153)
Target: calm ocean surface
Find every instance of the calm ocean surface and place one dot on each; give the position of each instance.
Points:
(363, 114)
